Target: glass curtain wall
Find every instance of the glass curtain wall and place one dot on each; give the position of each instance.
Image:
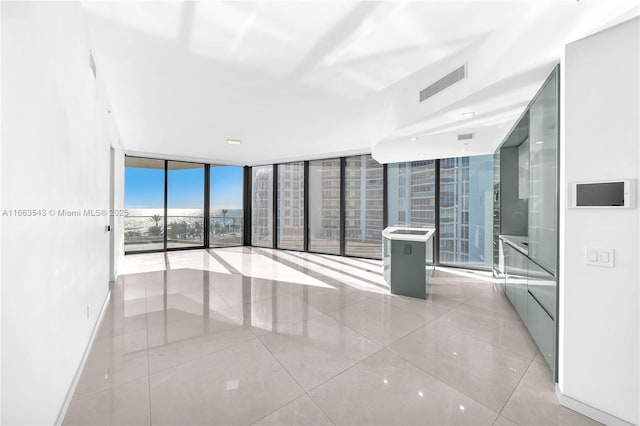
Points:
(411, 191)
(262, 206)
(225, 206)
(185, 204)
(144, 199)
(364, 203)
(466, 205)
(291, 206)
(324, 206)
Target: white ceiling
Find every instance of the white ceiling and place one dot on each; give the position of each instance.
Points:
(311, 79)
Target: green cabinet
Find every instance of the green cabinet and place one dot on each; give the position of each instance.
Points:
(542, 329)
(407, 263)
(532, 292)
(543, 181)
(516, 279)
(542, 286)
(526, 209)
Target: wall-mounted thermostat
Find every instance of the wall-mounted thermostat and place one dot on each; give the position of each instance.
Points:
(618, 194)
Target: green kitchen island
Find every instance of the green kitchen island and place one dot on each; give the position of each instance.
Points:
(408, 260)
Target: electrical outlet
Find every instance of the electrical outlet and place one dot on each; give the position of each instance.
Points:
(407, 249)
(88, 311)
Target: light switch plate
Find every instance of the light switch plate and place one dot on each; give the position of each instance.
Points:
(605, 257)
(598, 256)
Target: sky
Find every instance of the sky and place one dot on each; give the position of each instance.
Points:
(144, 188)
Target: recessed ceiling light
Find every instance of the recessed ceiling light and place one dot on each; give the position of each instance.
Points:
(413, 139)
(468, 114)
(539, 142)
(233, 141)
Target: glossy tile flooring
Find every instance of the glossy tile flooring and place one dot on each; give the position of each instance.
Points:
(257, 336)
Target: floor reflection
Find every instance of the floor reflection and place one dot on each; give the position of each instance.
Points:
(235, 335)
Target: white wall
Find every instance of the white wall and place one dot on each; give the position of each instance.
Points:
(118, 220)
(116, 191)
(600, 322)
(55, 155)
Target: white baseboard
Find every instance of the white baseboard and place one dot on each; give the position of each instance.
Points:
(76, 377)
(588, 410)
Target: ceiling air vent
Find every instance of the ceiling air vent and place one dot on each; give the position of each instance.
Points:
(446, 81)
(465, 136)
(92, 64)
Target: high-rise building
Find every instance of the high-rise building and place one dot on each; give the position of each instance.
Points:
(262, 206)
(291, 206)
(364, 202)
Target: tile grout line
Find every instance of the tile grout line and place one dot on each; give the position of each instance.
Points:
(513, 391)
(233, 345)
(382, 348)
(288, 373)
(486, 341)
(475, 337)
(307, 393)
(445, 383)
(321, 410)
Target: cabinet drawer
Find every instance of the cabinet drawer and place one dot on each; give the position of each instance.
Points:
(542, 330)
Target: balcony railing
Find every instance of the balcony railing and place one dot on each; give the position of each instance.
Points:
(147, 232)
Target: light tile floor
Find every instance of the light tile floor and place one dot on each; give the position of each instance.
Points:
(258, 336)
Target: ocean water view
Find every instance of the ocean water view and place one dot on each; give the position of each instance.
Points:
(149, 212)
(152, 184)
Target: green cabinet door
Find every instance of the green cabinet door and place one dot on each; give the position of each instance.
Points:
(542, 329)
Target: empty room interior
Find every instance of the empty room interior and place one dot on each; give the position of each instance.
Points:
(320, 212)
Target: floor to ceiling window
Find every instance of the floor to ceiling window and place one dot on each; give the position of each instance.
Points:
(226, 212)
(466, 208)
(166, 205)
(262, 206)
(144, 200)
(343, 195)
(291, 206)
(411, 189)
(185, 204)
(364, 205)
(324, 206)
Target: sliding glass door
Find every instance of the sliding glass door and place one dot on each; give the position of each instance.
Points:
(159, 191)
(324, 206)
(411, 189)
(226, 214)
(466, 207)
(291, 206)
(364, 205)
(262, 206)
(185, 204)
(144, 200)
